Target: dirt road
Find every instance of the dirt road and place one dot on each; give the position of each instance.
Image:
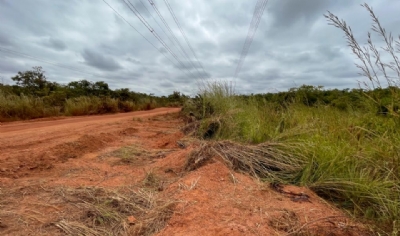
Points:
(33, 138)
(67, 123)
(124, 174)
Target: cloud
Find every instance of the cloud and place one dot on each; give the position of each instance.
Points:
(294, 45)
(100, 61)
(55, 44)
(4, 40)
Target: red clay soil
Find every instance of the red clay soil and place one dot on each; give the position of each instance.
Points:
(40, 160)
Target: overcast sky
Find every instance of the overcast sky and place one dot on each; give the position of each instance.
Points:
(294, 45)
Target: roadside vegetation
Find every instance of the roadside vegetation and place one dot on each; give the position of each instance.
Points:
(33, 96)
(343, 144)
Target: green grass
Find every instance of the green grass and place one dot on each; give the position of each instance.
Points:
(352, 156)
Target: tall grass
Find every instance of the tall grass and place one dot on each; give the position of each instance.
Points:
(379, 64)
(23, 107)
(13, 107)
(352, 156)
(90, 105)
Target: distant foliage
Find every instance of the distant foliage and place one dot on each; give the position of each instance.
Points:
(33, 96)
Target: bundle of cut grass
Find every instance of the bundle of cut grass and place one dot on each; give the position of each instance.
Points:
(266, 160)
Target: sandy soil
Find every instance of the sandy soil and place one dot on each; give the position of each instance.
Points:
(47, 166)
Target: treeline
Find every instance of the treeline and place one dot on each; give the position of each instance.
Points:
(34, 96)
(380, 100)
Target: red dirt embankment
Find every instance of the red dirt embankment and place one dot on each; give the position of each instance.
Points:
(43, 163)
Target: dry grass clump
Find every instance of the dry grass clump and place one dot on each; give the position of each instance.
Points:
(286, 221)
(265, 160)
(123, 212)
(200, 156)
(136, 155)
(289, 222)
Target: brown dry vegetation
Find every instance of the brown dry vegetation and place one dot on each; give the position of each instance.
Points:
(138, 174)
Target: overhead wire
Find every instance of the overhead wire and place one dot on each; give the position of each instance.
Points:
(257, 14)
(183, 33)
(147, 25)
(250, 30)
(152, 3)
(144, 6)
(154, 46)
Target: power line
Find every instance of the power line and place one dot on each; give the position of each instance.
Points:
(152, 3)
(170, 39)
(250, 34)
(156, 21)
(257, 14)
(116, 12)
(184, 35)
(258, 11)
(147, 25)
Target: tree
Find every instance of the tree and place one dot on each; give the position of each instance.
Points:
(81, 88)
(100, 88)
(33, 81)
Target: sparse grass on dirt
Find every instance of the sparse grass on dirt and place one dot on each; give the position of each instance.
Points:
(115, 212)
(136, 155)
(93, 211)
(127, 210)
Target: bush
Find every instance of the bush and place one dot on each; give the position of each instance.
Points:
(82, 106)
(126, 106)
(13, 107)
(109, 105)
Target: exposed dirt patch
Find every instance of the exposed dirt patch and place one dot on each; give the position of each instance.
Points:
(130, 175)
(129, 131)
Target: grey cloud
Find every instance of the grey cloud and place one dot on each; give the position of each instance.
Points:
(167, 84)
(55, 44)
(294, 45)
(288, 13)
(133, 60)
(192, 65)
(99, 61)
(4, 40)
